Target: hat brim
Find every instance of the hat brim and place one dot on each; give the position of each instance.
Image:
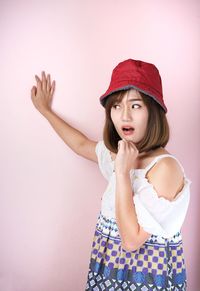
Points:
(104, 97)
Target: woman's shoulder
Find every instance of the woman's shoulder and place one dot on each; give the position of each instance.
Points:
(163, 160)
(166, 174)
(146, 159)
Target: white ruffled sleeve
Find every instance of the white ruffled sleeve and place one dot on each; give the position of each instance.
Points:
(158, 215)
(104, 160)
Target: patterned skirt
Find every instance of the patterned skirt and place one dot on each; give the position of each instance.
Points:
(157, 265)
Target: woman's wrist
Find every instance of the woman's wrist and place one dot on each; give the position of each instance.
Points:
(122, 173)
(47, 112)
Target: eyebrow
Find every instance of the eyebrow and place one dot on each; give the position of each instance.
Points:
(135, 99)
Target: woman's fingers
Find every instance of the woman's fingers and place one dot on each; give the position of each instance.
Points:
(44, 81)
(39, 85)
(48, 82)
(120, 144)
(33, 91)
(133, 148)
(44, 84)
(131, 145)
(53, 88)
(124, 145)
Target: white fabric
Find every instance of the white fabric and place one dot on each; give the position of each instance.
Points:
(103, 160)
(156, 215)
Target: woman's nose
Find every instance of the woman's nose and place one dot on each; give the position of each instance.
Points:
(126, 114)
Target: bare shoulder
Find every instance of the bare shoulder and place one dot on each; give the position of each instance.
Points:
(167, 177)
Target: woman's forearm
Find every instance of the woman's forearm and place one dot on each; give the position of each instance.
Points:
(71, 136)
(132, 235)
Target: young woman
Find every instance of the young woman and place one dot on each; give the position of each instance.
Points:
(137, 242)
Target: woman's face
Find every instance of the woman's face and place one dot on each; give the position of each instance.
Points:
(130, 116)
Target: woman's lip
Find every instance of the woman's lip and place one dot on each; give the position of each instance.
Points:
(128, 132)
(127, 126)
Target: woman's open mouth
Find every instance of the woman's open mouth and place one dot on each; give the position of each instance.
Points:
(127, 130)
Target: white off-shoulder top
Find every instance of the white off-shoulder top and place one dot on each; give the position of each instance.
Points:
(156, 215)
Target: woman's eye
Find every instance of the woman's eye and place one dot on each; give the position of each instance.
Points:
(136, 106)
(116, 106)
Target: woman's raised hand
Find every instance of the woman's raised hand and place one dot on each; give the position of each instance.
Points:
(42, 94)
(126, 157)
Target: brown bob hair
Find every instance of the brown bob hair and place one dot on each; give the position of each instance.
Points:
(157, 131)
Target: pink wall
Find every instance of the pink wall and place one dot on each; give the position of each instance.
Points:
(50, 197)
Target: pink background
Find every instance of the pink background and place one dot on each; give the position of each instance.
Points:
(50, 198)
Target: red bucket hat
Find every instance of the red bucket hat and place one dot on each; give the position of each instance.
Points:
(139, 75)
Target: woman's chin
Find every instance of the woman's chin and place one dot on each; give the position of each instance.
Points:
(128, 138)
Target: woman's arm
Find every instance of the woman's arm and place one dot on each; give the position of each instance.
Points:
(167, 179)
(42, 96)
(76, 140)
(132, 235)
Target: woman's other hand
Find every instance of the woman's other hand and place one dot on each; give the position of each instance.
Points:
(42, 94)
